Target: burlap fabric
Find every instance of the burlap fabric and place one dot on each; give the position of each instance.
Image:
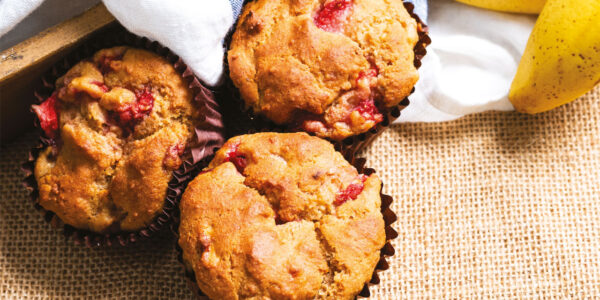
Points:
(492, 205)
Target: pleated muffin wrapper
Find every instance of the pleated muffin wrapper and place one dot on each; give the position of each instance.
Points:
(208, 135)
(386, 251)
(235, 107)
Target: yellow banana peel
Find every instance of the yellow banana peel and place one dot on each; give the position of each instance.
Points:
(516, 6)
(562, 58)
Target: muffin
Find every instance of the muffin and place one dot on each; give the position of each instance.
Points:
(118, 125)
(332, 68)
(281, 216)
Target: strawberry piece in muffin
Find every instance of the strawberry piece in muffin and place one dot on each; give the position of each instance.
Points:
(351, 191)
(367, 110)
(235, 157)
(105, 61)
(369, 74)
(332, 14)
(131, 114)
(47, 114)
(172, 159)
(101, 85)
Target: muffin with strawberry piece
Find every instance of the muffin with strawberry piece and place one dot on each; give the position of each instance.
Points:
(333, 68)
(281, 216)
(117, 125)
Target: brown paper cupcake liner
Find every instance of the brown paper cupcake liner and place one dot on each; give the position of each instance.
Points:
(245, 116)
(209, 135)
(386, 251)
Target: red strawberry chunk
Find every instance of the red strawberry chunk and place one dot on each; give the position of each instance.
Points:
(104, 63)
(331, 15)
(129, 115)
(101, 85)
(370, 73)
(205, 242)
(366, 107)
(236, 158)
(172, 158)
(369, 111)
(47, 113)
(351, 192)
(176, 150)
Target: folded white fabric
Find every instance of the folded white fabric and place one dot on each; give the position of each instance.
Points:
(13, 11)
(194, 29)
(469, 66)
(470, 63)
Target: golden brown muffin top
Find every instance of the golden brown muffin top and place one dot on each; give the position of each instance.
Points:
(281, 216)
(328, 67)
(121, 122)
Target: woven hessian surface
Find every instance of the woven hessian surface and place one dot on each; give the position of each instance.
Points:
(500, 205)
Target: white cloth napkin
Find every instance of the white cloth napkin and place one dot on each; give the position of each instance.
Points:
(470, 63)
(468, 68)
(13, 11)
(194, 29)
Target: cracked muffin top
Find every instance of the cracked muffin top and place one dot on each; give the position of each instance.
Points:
(332, 67)
(281, 216)
(120, 122)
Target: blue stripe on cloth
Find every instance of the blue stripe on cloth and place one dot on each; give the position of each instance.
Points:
(420, 8)
(236, 5)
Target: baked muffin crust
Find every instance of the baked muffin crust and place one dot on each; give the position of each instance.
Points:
(121, 121)
(328, 67)
(281, 216)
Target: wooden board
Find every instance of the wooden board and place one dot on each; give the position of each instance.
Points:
(22, 65)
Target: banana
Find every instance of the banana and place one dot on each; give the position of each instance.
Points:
(562, 57)
(516, 6)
